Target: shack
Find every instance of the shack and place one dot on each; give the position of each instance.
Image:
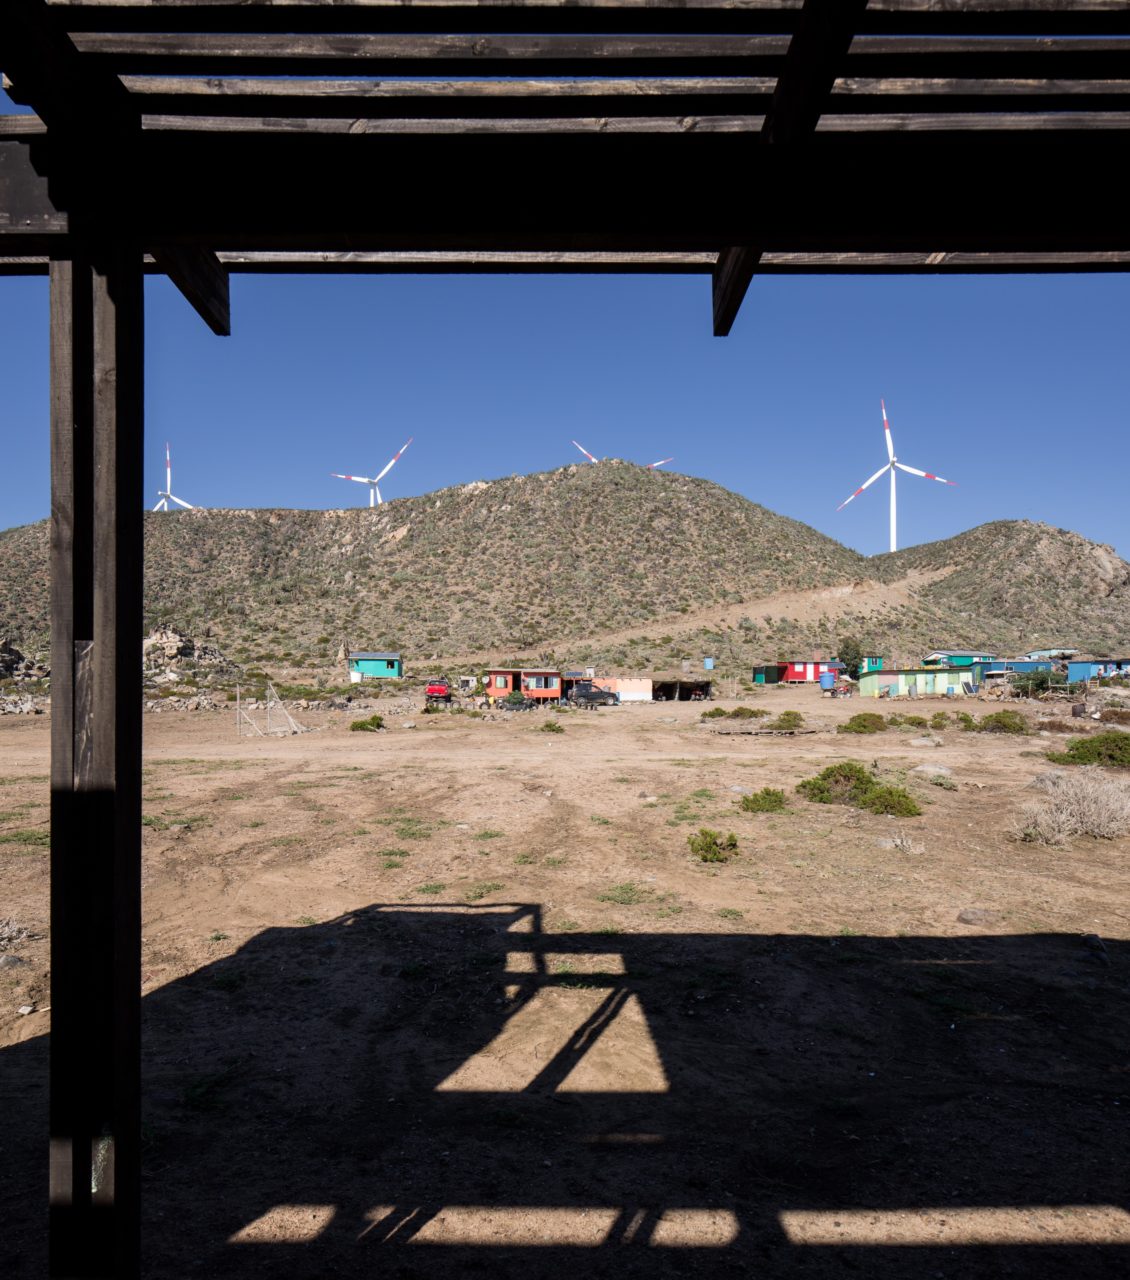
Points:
(809, 671)
(768, 673)
(374, 666)
(1019, 664)
(681, 689)
(916, 682)
(540, 685)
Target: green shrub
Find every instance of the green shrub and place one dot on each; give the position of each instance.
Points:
(550, 726)
(1003, 722)
(715, 713)
(748, 713)
(965, 720)
(1111, 749)
(846, 783)
(893, 800)
(1115, 715)
(863, 722)
(767, 800)
(371, 725)
(944, 781)
(939, 720)
(515, 698)
(787, 720)
(915, 722)
(713, 846)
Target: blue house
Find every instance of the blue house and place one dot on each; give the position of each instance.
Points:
(374, 666)
(1096, 668)
(1021, 664)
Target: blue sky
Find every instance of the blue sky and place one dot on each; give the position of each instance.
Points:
(1017, 388)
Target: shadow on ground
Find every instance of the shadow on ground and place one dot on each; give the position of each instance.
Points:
(451, 1091)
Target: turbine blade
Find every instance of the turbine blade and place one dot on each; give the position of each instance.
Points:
(584, 451)
(864, 485)
(394, 461)
(160, 504)
(652, 465)
(360, 479)
(187, 505)
(926, 475)
(887, 433)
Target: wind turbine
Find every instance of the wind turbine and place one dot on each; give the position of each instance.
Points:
(374, 481)
(893, 464)
(650, 466)
(166, 494)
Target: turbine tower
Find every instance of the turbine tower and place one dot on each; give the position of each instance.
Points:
(893, 465)
(374, 481)
(166, 495)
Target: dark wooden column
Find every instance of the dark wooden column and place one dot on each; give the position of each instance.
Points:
(96, 619)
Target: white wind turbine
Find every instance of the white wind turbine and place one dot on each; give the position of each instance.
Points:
(166, 494)
(650, 466)
(374, 481)
(893, 464)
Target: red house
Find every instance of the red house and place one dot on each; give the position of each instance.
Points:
(542, 686)
(808, 672)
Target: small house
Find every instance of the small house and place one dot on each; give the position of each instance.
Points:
(916, 682)
(768, 673)
(870, 662)
(541, 686)
(809, 672)
(958, 658)
(1019, 664)
(1061, 653)
(374, 666)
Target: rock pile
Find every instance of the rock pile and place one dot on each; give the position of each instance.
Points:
(169, 648)
(14, 666)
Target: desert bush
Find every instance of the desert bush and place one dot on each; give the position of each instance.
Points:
(845, 783)
(896, 801)
(371, 725)
(965, 720)
(1088, 802)
(715, 713)
(713, 846)
(915, 722)
(863, 722)
(787, 720)
(748, 713)
(944, 781)
(1115, 715)
(1111, 749)
(767, 800)
(850, 783)
(939, 720)
(1003, 722)
(1061, 726)
(550, 726)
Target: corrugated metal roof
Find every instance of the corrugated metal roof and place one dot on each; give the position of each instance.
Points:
(375, 655)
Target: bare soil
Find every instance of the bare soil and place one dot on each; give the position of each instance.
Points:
(458, 1000)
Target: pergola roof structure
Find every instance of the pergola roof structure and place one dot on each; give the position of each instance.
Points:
(196, 138)
(721, 137)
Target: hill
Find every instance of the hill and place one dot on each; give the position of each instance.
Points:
(611, 564)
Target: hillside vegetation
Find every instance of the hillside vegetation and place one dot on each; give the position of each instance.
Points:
(610, 564)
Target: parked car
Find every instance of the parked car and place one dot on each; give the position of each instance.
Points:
(587, 694)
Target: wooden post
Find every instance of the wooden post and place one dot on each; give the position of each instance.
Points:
(96, 617)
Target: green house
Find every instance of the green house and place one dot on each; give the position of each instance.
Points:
(918, 682)
(374, 666)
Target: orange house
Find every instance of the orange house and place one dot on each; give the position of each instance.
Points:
(542, 686)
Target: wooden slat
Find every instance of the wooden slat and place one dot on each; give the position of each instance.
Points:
(973, 17)
(425, 263)
(203, 280)
(942, 263)
(503, 125)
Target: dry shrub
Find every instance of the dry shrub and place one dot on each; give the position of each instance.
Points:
(1085, 802)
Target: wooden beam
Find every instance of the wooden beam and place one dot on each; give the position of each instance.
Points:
(937, 17)
(943, 263)
(96, 577)
(423, 262)
(815, 58)
(496, 125)
(203, 280)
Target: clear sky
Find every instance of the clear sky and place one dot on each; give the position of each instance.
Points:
(1017, 388)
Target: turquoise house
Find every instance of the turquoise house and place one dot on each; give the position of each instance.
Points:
(374, 666)
(958, 658)
(916, 682)
(870, 663)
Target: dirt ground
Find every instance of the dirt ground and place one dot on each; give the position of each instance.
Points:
(458, 1000)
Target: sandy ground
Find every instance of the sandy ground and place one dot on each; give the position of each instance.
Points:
(458, 1000)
